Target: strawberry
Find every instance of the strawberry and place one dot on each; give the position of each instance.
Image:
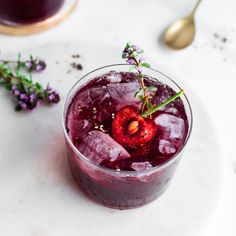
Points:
(132, 130)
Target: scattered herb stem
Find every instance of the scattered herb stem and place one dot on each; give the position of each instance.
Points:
(7, 62)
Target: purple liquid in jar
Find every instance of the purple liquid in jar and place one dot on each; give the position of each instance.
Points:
(27, 11)
(117, 176)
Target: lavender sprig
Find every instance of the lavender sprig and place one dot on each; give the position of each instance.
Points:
(26, 93)
(133, 56)
(35, 64)
(31, 65)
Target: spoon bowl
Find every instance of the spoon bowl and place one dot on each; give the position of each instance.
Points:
(181, 33)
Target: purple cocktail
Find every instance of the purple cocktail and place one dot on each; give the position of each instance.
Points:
(27, 11)
(119, 158)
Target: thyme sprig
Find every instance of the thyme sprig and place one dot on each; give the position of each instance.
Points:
(26, 93)
(133, 55)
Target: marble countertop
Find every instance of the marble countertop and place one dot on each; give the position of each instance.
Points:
(208, 66)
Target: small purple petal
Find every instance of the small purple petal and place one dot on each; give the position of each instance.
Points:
(32, 104)
(57, 98)
(49, 88)
(16, 92)
(51, 97)
(130, 61)
(139, 69)
(40, 66)
(23, 106)
(28, 64)
(14, 87)
(24, 97)
(32, 96)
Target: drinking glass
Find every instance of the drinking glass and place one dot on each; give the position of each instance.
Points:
(121, 189)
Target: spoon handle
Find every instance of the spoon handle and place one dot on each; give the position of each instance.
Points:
(195, 8)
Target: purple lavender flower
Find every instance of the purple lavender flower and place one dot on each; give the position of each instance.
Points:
(23, 106)
(53, 97)
(14, 87)
(23, 97)
(39, 65)
(49, 88)
(16, 92)
(32, 98)
(133, 55)
(35, 65)
(28, 65)
(131, 61)
(32, 104)
(26, 94)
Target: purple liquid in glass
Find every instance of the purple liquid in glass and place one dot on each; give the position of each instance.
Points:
(117, 176)
(27, 11)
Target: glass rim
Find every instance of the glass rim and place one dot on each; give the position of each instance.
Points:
(126, 172)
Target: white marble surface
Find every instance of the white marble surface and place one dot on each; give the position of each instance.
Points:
(208, 66)
(42, 183)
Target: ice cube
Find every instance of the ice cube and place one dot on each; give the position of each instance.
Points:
(98, 146)
(141, 165)
(173, 127)
(98, 99)
(123, 94)
(166, 147)
(78, 128)
(91, 96)
(162, 94)
(172, 111)
(114, 77)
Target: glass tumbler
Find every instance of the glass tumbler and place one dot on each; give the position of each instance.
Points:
(121, 189)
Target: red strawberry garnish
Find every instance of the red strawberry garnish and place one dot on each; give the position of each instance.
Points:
(132, 130)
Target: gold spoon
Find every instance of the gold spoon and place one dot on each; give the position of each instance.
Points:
(181, 33)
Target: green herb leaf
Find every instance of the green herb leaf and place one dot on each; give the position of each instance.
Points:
(141, 98)
(146, 65)
(8, 86)
(38, 86)
(152, 88)
(137, 92)
(149, 106)
(123, 55)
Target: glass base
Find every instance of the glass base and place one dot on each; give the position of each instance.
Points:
(26, 29)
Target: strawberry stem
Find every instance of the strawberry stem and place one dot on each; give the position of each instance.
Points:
(148, 113)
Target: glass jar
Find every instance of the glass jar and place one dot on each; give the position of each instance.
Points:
(121, 189)
(23, 12)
